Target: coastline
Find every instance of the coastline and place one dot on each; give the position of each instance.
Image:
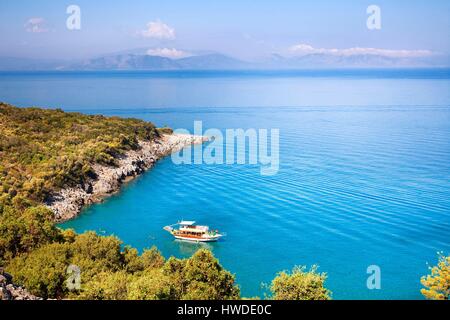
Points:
(68, 203)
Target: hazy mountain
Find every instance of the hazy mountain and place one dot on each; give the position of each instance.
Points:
(147, 62)
(138, 59)
(354, 61)
(125, 62)
(212, 61)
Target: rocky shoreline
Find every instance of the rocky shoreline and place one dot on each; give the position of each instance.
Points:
(67, 203)
(10, 291)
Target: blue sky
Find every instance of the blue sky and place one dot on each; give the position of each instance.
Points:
(244, 29)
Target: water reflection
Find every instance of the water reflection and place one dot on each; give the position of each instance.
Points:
(187, 248)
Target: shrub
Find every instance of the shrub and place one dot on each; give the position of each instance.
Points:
(437, 283)
(43, 271)
(300, 285)
(106, 286)
(152, 258)
(201, 277)
(151, 285)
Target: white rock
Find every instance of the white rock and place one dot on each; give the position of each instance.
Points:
(67, 203)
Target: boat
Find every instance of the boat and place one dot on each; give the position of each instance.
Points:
(188, 231)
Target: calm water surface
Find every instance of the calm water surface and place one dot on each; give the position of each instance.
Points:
(364, 170)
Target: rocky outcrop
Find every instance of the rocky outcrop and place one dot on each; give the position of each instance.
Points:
(67, 203)
(10, 291)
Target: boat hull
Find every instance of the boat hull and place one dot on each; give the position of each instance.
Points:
(191, 239)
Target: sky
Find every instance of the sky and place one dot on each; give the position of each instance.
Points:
(249, 30)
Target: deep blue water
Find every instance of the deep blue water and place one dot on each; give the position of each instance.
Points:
(364, 169)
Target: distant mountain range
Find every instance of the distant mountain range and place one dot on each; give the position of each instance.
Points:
(148, 62)
(319, 60)
(128, 61)
(139, 60)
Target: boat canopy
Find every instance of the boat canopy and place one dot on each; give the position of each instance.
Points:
(186, 223)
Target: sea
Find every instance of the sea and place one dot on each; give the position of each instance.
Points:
(363, 185)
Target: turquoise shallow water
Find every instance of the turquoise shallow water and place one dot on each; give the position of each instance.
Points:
(359, 183)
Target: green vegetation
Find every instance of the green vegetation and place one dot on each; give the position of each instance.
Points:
(42, 151)
(107, 272)
(22, 230)
(437, 283)
(300, 285)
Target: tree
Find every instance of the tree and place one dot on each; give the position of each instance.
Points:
(38, 227)
(151, 285)
(106, 286)
(152, 258)
(24, 231)
(300, 285)
(93, 254)
(42, 271)
(201, 277)
(437, 283)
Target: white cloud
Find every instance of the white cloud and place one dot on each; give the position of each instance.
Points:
(168, 53)
(159, 30)
(36, 25)
(305, 49)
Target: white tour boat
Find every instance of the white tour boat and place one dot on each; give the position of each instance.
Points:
(188, 231)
